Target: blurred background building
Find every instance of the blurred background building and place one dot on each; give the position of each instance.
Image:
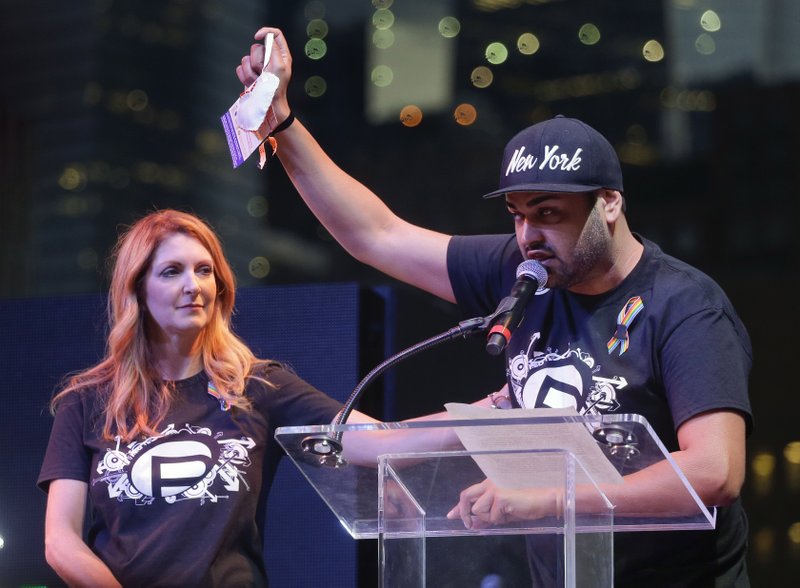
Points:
(110, 108)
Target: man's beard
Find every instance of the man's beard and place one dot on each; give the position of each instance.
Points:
(590, 249)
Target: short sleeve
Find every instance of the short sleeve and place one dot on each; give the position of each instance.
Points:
(291, 401)
(706, 364)
(66, 455)
(482, 269)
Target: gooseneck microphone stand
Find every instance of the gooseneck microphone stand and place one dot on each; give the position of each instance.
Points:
(326, 449)
(531, 278)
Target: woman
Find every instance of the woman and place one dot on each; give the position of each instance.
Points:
(171, 433)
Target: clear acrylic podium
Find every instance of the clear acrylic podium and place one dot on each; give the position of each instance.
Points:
(402, 498)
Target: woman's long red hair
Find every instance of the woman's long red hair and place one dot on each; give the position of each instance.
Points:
(136, 399)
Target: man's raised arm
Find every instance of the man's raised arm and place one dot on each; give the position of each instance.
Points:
(352, 213)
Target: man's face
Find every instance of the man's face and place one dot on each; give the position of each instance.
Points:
(566, 233)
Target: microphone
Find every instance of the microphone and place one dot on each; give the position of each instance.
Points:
(531, 278)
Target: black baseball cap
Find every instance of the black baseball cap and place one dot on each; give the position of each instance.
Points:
(558, 155)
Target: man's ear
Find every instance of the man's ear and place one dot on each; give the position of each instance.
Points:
(613, 205)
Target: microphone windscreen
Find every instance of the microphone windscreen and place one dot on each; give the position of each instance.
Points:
(534, 270)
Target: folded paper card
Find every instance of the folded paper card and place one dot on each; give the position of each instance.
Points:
(512, 461)
(245, 122)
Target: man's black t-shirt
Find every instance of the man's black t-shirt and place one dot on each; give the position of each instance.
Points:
(681, 351)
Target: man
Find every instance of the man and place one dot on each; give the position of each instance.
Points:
(616, 309)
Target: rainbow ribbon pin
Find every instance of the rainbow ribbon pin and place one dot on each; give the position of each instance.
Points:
(223, 404)
(624, 319)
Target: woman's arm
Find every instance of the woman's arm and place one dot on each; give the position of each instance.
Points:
(364, 447)
(65, 550)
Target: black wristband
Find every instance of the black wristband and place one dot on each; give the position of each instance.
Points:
(284, 125)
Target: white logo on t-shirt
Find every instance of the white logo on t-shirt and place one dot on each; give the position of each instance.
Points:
(178, 464)
(562, 380)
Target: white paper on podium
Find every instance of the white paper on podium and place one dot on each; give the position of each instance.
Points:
(526, 470)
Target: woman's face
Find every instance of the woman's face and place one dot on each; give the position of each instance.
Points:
(180, 288)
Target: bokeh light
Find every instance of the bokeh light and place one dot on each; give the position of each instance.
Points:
(209, 141)
(528, 43)
(763, 464)
(791, 452)
(449, 27)
(653, 51)
(259, 267)
(383, 38)
(496, 53)
(317, 29)
(481, 77)
(383, 19)
(794, 533)
(73, 178)
(465, 114)
(705, 45)
(382, 76)
(137, 100)
(710, 21)
(589, 34)
(257, 206)
(411, 115)
(316, 86)
(316, 49)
